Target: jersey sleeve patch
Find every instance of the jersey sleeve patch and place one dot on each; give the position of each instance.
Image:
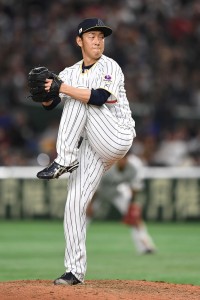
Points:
(107, 83)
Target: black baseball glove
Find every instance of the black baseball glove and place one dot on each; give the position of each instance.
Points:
(36, 81)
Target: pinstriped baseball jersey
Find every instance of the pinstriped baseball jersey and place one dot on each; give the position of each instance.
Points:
(105, 74)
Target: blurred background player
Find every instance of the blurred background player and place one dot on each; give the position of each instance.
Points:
(119, 187)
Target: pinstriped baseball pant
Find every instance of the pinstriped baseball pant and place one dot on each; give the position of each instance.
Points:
(104, 143)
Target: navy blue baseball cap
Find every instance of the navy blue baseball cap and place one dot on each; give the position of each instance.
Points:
(93, 24)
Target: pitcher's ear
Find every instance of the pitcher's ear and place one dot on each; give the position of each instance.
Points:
(79, 41)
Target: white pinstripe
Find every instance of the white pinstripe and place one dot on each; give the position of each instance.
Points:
(108, 134)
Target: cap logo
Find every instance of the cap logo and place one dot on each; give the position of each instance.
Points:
(80, 30)
(100, 23)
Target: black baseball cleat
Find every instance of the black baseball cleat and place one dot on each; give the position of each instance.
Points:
(55, 170)
(67, 279)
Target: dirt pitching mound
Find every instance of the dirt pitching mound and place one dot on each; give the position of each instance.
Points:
(98, 290)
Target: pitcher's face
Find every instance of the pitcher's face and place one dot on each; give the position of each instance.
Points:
(92, 45)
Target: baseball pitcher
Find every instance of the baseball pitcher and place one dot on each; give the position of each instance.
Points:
(96, 130)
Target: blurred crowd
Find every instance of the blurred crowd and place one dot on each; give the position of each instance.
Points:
(157, 44)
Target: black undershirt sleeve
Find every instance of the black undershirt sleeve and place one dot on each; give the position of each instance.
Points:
(98, 97)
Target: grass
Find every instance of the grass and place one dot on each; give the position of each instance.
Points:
(35, 250)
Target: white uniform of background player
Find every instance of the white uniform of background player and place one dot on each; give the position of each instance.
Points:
(119, 186)
(107, 132)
